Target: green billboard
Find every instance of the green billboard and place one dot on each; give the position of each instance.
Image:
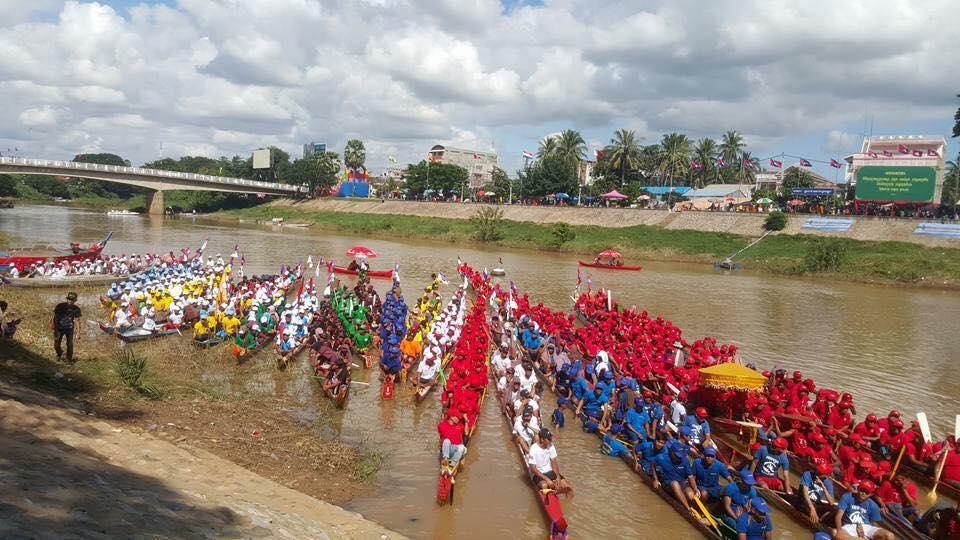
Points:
(900, 184)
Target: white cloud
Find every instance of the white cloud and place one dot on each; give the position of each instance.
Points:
(39, 117)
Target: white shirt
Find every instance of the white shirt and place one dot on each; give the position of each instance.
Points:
(532, 402)
(526, 383)
(149, 324)
(540, 457)
(526, 432)
(501, 362)
(677, 412)
(427, 371)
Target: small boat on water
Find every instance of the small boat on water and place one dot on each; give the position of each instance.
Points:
(370, 273)
(499, 272)
(610, 266)
(206, 343)
(124, 212)
(23, 258)
(95, 280)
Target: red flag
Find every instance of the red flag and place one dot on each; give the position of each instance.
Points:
(775, 163)
(476, 156)
(599, 153)
(834, 163)
(805, 163)
(933, 153)
(918, 153)
(887, 153)
(747, 163)
(903, 149)
(695, 165)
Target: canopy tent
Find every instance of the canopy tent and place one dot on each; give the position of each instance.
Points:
(609, 254)
(486, 193)
(732, 375)
(643, 198)
(361, 252)
(614, 195)
(796, 202)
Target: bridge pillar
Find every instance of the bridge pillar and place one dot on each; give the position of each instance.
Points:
(154, 204)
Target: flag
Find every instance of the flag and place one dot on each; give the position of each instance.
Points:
(598, 153)
(309, 261)
(835, 164)
(933, 153)
(695, 165)
(475, 156)
(805, 163)
(316, 271)
(918, 153)
(527, 154)
(887, 153)
(873, 154)
(443, 277)
(903, 149)
(775, 163)
(330, 279)
(261, 195)
(721, 163)
(500, 259)
(392, 159)
(589, 281)
(459, 261)
(747, 163)
(202, 247)
(579, 277)
(236, 250)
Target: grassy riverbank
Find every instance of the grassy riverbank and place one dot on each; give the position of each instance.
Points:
(888, 262)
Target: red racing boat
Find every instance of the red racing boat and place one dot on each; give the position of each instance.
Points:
(371, 273)
(24, 258)
(610, 266)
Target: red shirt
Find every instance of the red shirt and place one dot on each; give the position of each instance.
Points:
(889, 493)
(450, 431)
(951, 469)
(820, 456)
(847, 454)
(839, 419)
(864, 430)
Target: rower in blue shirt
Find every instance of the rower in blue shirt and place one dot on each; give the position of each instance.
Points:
(637, 422)
(858, 513)
(755, 523)
(654, 409)
(648, 450)
(699, 427)
(816, 489)
(611, 445)
(607, 385)
(708, 472)
(674, 472)
(578, 387)
(737, 495)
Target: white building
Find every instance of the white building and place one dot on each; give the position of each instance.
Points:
(904, 152)
(479, 164)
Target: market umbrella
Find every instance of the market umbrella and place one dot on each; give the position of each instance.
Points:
(731, 375)
(764, 200)
(361, 252)
(562, 195)
(796, 202)
(614, 195)
(729, 198)
(610, 254)
(643, 198)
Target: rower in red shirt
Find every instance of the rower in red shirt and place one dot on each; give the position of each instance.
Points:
(869, 430)
(820, 451)
(900, 497)
(858, 472)
(840, 417)
(892, 436)
(884, 423)
(849, 452)
(951, 469)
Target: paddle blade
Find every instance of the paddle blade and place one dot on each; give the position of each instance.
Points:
(956, 429)
(924, 427)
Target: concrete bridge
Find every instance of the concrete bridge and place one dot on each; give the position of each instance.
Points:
(155, 180)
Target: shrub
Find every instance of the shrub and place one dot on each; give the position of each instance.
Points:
(488, 224)
(825, 255)
(562, 233)
(132, 369)
(776, 221)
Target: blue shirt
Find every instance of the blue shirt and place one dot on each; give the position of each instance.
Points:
(648, 451)
(709, 477)
(579, 388)
(613, 447)
(669, 471)
(858, 513)
(654, 411)
(768, 464)
(753, 529)
(631, 383)
(700, 429)
(606, 388)
(814, 490)
(532, 341)
(738, 499)
(638, 421)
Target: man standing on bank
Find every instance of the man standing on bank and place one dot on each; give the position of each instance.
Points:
(65, 316)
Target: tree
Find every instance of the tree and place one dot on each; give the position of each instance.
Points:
(443, 177)
(8, 186)
(99, 188)
(956, 125)
(744, 173)
(571, 149)
(705, 154)
(731, 146)
(951, 183)
(500, 184)
(101, 159)
(795, 177)
(674, 155)
(354, 153)
(547, 147)
(326, 166)
(623, 154)
(551, 174)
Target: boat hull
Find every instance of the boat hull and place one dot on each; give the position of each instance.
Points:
(609, 267)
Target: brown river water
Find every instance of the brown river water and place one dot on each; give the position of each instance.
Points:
(890, 347)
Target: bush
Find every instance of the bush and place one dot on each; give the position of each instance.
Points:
(776, 221)
(562, 233)
(132, 369)
(825, 255)
(488, 224)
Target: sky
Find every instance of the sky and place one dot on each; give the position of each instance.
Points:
(222, 77)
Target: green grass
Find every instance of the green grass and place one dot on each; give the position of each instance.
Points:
(900, 262)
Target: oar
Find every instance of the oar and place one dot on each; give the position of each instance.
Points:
(932, 496)
(706, 514)
(897, 464)
(924, 427)
(359, 382)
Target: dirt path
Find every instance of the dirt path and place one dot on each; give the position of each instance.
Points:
(64, 474)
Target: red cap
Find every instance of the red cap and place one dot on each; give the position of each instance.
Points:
(866, 461)
(856, 438)
(701, 412)
(810, 384)
(868, 486)
(780, 443)
(824, 469)
(799, 441)
(884, 466)
(797, 375)
(871, 417)
(894, 413)
(647, 393)
(667, 399)
(817, 437)
(762, 400)
(896, 422)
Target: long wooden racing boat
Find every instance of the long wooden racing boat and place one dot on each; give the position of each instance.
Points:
(370, 273)
(338, 394)
(208, 342)
(68, 281)
(610, 266)
(135, 334)
(422, 392)
(22, 259)
(448, 475)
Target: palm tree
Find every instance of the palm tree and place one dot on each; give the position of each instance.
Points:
(705, 155)
(571, 148)
(674, 156)
(547, 146)
(731, 145)
(623, 153)
(744, 173)
(354, 154)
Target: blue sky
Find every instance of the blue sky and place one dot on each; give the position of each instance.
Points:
(219, 77)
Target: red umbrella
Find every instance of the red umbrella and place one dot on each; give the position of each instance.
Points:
(361, 252)
(796, 202)
(610, 254)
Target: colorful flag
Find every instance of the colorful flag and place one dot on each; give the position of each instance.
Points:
(330, 279)
(933, 153)
(500, 259)
(805, 163)
(443, 277)
(579, 277)
(903, 149)
(527, 154)
(459, 261)
(316, 271)
(695, 165)
(918, 153)
(834, 163)
(721, 163)
(598, 153)
(775, 163)
(887, 153)
(589, 281)
(747, 163)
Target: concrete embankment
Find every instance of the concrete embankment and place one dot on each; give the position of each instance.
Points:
(64, 474)
(745, 224)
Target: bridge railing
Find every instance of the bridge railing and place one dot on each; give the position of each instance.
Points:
(140, 171)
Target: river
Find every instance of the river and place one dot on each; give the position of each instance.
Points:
(889, 346)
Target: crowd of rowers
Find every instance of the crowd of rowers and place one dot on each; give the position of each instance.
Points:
(634, 379)
(111, 265)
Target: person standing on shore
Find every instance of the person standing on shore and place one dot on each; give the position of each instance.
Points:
(65, 315)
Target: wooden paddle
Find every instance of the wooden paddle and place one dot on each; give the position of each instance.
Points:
(932, 496)
(706, 514)
(897, 464)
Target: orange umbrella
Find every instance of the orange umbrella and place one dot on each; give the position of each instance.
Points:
(361, 252)
(610, 254)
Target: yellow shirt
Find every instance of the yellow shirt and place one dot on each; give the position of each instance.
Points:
(231, 324)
